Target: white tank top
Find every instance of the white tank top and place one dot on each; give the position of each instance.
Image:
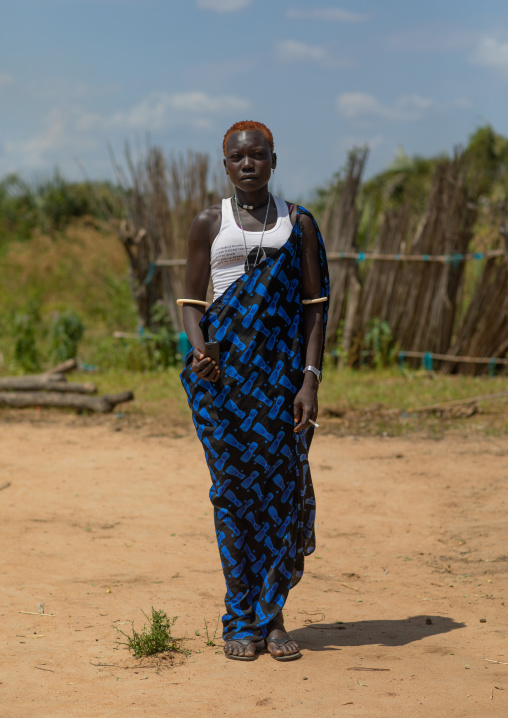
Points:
(227, 255)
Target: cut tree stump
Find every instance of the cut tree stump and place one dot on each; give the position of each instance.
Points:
(25, 399)
(45, 383)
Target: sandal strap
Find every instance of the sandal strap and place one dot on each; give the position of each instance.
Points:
(280, 641)
(243, 641)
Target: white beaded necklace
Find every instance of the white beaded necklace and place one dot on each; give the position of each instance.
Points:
(243, 232)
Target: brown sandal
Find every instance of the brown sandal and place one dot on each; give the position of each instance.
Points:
(281, 642)
(244, 642)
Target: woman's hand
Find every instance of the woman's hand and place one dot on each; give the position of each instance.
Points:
(204, 367)
(305, 405)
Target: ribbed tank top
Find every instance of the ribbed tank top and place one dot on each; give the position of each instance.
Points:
(227, 255)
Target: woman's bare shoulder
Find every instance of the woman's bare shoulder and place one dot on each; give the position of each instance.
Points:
(209, 215)
(206, 223)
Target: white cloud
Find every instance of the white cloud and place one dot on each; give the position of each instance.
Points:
(31, 152)
(295, 51)
(328, 14)
(6, 79)
(364, 107)
(68, 131)
(57, 135)
(159, 110)
(492, 54)
(223, 5)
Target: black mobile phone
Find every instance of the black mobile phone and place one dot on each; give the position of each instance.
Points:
(212, 350)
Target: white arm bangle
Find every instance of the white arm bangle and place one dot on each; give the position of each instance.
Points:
(315, 301)
(181, 302)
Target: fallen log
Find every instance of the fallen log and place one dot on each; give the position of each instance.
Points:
(103, 404)
(457, 402)
(45, 383)
(65, 366)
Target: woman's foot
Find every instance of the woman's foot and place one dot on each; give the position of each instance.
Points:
(241, 649)
(280, 644)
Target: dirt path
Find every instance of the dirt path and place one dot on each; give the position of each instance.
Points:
(412, 558)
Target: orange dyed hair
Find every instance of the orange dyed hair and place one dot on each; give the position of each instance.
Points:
(246, 125)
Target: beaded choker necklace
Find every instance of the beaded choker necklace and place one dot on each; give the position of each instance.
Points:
(251, 206)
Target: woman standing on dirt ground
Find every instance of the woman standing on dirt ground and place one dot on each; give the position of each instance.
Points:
(255, 408)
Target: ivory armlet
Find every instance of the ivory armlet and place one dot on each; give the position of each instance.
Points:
(181, 302)
(315, 301)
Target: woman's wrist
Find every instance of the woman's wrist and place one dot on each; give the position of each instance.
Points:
(310, 380)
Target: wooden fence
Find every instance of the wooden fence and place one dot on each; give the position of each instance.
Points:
(413, 279)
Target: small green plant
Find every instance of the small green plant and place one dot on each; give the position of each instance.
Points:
(339, 356)
(379, 340)
(210, 641)
(24, 327)
(154, 638)
(66, 333)
(162, 344)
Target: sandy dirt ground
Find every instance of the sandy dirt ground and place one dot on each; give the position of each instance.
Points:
(397, 613)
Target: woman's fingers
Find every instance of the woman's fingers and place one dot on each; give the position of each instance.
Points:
(303, 414)
(206, 369)
(297, 412)
(303, 423)
(300, 415)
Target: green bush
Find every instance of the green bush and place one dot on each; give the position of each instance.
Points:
(24, 329)
(66, 333)
(50, 203)
(379, 340)
(161, 346)
(156, 638)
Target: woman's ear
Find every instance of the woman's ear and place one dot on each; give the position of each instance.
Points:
(224, 160)
(274, 160)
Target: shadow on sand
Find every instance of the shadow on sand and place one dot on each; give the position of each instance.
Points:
(330, 636)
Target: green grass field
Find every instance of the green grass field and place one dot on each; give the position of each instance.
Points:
(351, 402)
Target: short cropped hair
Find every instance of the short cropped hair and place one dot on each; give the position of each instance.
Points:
(247, 125)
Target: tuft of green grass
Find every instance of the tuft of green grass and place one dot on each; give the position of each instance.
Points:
(210, 640)
(154, 638)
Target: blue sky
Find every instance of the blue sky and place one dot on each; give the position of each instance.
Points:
(77, 74)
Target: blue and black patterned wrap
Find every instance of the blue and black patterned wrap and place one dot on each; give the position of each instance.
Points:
(261, 489)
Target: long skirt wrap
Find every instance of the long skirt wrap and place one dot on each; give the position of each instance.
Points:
(261, 491)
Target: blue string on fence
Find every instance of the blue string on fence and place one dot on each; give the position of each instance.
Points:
(151, 272)
(455, 258)
(184, 345)
(427, 361)
(478, 257)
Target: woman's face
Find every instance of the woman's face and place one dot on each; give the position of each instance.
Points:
(249, 160)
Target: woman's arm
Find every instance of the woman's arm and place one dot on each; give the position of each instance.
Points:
(306, 403)
(197, 276)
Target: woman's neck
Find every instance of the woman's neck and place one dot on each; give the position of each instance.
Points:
(252, 198)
